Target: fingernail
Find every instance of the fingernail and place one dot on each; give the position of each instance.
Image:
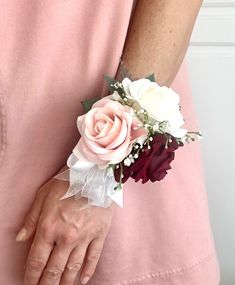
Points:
(85, 280)
(21, 236)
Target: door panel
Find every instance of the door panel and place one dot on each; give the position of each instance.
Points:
(211, 62)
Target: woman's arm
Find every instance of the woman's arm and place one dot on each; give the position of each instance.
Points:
(158, 38)
(67, 240)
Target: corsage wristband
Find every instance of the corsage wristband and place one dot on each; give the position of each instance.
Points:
(132, 133)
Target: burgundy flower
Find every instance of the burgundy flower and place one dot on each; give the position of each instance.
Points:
(152, 164)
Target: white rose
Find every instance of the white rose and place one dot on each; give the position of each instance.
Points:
(161, 103)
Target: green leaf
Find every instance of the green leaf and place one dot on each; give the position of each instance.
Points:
(151, 77)
(110, 81)
(87, 104)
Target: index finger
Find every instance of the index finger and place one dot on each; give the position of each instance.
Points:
(38, 256)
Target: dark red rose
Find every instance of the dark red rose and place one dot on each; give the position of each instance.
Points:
(152, 164)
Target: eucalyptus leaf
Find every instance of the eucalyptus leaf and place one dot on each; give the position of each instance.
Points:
(151, 77)
(112, 81)
(87, 104)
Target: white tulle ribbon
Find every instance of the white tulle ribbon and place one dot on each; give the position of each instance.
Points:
(88, 180)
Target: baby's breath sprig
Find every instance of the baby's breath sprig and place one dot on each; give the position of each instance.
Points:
(115, 85)
(162, 126)
(120, 184)
(168, 140)
(137, 147)
(149, 138)
(190, 136)
(144, 117)
(140, 113)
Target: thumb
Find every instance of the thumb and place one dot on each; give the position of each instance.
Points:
(32, 218)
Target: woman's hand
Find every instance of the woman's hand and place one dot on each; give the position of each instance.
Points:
(66, 237)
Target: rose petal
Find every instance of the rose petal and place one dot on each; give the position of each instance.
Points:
(95, 147)
(116, 155)
(102, 116)
(113, 133)
(105, 131)
(80, 121)
(119, 135)
(138, 87)
(102, 102)
(83, 153)
(126, 83)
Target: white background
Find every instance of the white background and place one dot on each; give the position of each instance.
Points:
(211, 62)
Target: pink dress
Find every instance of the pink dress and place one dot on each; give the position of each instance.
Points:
(53, 55)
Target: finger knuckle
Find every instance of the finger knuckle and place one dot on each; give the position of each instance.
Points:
(53, 273)
(35, 264)
(75, 267)
(69, 237)
(45, 229)
(93, 257)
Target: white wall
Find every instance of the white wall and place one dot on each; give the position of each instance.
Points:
(211, 61)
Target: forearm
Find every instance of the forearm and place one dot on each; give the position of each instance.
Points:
(158, 38)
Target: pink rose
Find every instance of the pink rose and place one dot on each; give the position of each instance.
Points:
(107, 131)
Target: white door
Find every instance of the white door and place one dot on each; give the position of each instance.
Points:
(211, 61)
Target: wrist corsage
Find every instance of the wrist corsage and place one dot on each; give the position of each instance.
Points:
(131, 134)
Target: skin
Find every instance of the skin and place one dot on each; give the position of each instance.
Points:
(158, 38)
(66, 238)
